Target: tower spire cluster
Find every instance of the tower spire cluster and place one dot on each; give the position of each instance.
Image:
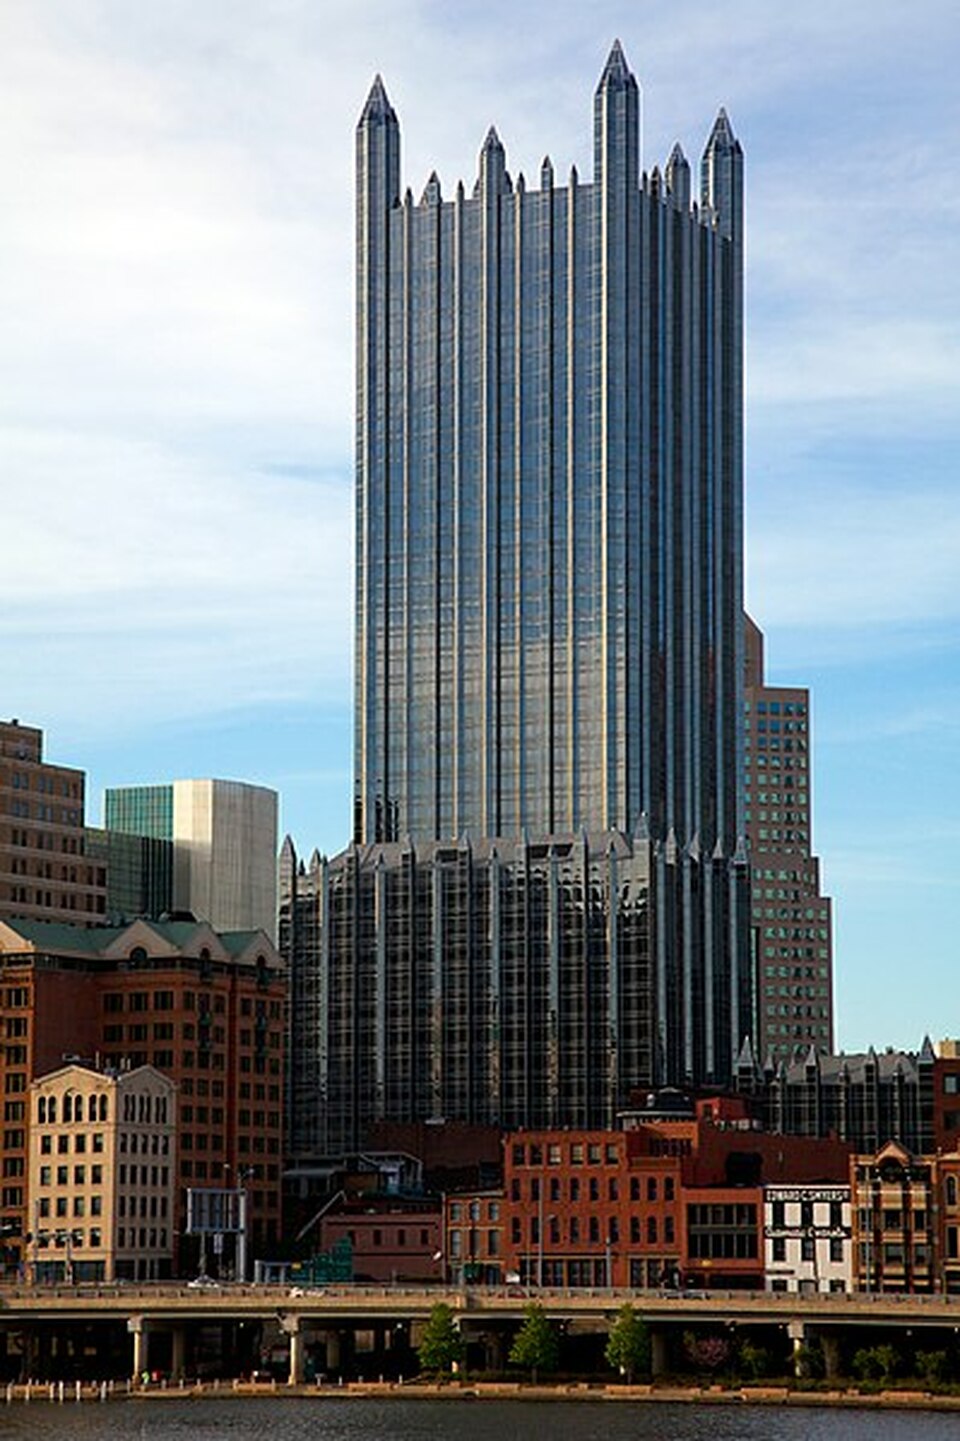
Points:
(549, 629)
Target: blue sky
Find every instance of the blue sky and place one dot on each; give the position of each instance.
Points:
(176, 388)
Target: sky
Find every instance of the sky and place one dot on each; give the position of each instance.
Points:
(176, 388)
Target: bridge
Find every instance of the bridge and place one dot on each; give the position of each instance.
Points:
(135, 1324)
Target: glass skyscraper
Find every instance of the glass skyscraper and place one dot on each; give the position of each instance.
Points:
(549, 514)
(546, 902)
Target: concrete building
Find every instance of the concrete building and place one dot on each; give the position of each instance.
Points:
(205, 1009)
(549, 652)
(791, 918)
(102, 1177)
(45, 870)
(807, 1238)
(224, 840)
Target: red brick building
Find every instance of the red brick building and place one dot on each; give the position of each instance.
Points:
(206, 1009)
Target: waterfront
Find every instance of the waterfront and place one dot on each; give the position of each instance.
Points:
(292, 1419)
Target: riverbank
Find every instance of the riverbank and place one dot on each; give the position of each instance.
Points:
(63, 1393)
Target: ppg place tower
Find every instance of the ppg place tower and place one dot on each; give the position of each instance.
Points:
(545, 904)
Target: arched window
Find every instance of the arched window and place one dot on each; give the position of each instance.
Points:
(67, 1108)
(92, 1108)
(103, 1108)
(951, 1190)
(52, 1108)
(42, 1110)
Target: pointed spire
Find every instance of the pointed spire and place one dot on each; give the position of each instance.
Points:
(616, 72)
(745, 1061)
(641, 828)
(927, 1053)
(377, 109)
(721, 136)
(315, 861)
(677, 175)
(431, 191)
(492, 140)
(546, 174)
(693, 849)
(670, 847)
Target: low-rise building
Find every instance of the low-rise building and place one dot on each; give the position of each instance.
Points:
(473, 1237)
(807, 1238)
(102, 1177)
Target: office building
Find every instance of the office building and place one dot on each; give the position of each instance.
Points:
(206, 1009)
(549, 641)
(101, 1190)
(791, 918)
(46, 871)
(223, 865)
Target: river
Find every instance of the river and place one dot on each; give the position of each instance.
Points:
(284, 1419)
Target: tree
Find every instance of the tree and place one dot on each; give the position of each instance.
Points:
(708, 1353)
(441, 1346)
(876, 1363)
(536, 1344)
(933, 1367)
(628, 1345)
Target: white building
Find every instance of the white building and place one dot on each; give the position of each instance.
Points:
(224, 837)
(807, 1238)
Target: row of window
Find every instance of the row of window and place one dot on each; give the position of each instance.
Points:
(594, 1152)
(72, 1110)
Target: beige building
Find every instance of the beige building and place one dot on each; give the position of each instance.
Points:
(101, 1180)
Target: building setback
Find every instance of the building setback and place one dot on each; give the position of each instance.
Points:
(549, 605)
(46, 870)
(792, 920)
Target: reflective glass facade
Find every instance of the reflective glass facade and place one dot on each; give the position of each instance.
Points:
(546, 903)
(549, 513)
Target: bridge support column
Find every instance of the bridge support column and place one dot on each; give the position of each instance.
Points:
(797, 1333)
(830, 1344)
(658, 1351)
(178, 1353)
(291, 1325)
(332, 1346)
(137, 1327)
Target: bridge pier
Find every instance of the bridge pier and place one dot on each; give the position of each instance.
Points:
(797, 1332)
(292, 1327)
(178, 1353)
(659, 1352)
(830, 1344)
(137, 1327)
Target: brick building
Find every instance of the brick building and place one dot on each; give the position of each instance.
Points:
(45, 871)
(206, 1009)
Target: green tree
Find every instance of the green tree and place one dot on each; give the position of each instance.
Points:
(933, 1367)
(876, 1363)
(536, 1344)
(753, 1362)
(628, 1345)
(441, 1346)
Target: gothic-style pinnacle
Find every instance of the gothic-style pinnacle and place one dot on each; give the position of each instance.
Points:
(492, 140)
(745, 1061)
(721, 136)
(616, 72)
(377, 107)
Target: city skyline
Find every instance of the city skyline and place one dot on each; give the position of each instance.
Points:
(173, 249)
